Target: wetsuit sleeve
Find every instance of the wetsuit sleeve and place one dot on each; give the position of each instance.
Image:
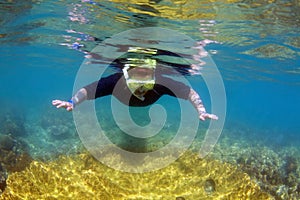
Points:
(173, 88)
(102, 87)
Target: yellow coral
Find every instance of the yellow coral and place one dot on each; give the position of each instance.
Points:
(83, 177)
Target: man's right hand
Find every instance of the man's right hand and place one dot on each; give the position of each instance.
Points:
(205, 115)
(63, 104)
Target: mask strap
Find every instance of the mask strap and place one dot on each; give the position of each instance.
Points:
(125, 72)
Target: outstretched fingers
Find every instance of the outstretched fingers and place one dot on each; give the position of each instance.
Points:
(58, 103)
(62, 104)
(209, 116)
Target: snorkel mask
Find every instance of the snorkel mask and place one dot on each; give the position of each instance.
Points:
(139, 86)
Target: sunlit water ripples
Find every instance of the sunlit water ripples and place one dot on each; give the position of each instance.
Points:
(259, 29)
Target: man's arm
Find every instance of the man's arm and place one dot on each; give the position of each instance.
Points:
(80, 96)
(97, 89)
(198, 104)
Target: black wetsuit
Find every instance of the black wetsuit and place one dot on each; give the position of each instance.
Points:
(116, 85)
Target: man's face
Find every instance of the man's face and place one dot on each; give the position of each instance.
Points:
(141, 74)
(140, 80)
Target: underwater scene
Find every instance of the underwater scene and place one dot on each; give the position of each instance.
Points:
(241, 56)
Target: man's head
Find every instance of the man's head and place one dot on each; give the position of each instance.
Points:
(140, 77)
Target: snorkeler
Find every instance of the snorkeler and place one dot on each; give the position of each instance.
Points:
(139, 84)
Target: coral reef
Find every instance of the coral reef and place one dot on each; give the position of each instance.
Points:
(3, 177)
(12, 122)
(13, 154)
(58, 125)
(51, 135)
(209, 186)
(13, 157)
(82, 177)
(276, 171)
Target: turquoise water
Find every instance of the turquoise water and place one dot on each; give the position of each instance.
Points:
(256, 50)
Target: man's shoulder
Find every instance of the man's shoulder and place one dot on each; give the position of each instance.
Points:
(112, 77)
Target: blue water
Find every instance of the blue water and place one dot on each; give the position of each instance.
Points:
(262, 82)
